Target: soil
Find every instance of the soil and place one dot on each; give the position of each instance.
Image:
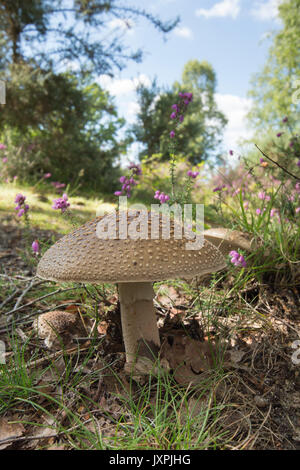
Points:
(263, 379)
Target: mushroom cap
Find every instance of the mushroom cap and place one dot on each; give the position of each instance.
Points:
(227, 240)
(54, 322)
(50, 325)
(81, 256)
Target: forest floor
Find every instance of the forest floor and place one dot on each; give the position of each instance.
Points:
(244, 395)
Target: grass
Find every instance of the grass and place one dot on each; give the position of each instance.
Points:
(157, 415)
(56, 395)
(41, 213)
(79, 397)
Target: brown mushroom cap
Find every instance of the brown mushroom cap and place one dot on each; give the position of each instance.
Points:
(50, 325)
(227, 240)
(82, 257)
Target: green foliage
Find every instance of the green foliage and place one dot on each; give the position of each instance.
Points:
(51, 32)
(71, 126)
(57, 121)
(275, 90)
(201, 131)
(261, 199)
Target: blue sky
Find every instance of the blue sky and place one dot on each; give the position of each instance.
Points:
(230, 34)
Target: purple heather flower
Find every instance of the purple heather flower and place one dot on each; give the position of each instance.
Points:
(291, 144)
(20, 199)
(193, 174)
(5, 160)
(219, 188)
(58, 185)
(173, 115)
(258, 211)
(279, 134)
(285, 119)
(23, 210)
(2, 147)
(118, 193)
(175, 107)
(162, 197)
(237, 259)
(132, 182)
(246, 205)
(273, 212)
(298, 163)
(61, 203)
(172, 134)
(181, 117)
(122, 179)
(35, 247)
(263, 196)
(231, 152)
(47, 175)
(297, 210)
(136, 169)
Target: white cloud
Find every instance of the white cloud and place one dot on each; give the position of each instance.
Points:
(132, 108)
(125, 25)
(266, 10)
(235, 109)
(183, 32)
(123, 86)
(221, 9)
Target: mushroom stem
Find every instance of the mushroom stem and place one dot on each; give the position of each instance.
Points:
(139, 325)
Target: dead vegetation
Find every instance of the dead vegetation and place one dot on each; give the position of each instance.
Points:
(232, 383)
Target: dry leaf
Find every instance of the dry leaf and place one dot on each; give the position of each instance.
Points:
(236, 356)
(102, 328)
(9, 431)
(187, 357)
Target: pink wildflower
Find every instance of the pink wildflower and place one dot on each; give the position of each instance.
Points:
(35, 247)
(61, 203)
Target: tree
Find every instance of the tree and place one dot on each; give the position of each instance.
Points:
(68, 121)
(275, 90)
(51, 32)
(201, 131)
(73, 127)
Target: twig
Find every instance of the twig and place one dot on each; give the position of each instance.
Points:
(63, 432)
(25, 320)
(58, 291)
(31, 284)
(17, 277)
(277, 164)
(9, 298)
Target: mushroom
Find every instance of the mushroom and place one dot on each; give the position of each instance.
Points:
(133, 264)
(55, 325)
(227, 240)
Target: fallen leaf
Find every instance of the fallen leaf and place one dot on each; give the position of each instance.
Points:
(72, 308)
(9, 431)
(236, 356)
(188, 358)
(102, 328)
